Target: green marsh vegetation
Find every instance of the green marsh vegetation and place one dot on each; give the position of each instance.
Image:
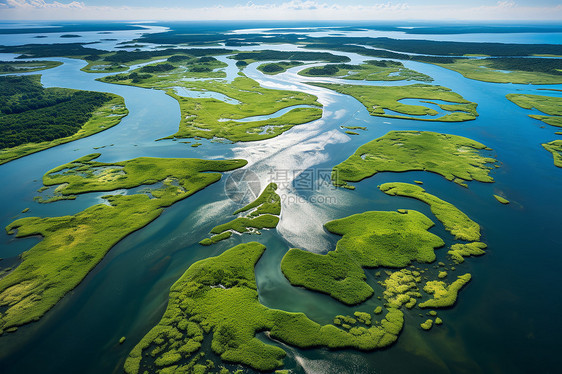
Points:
(443, 295)
(11, 67)
(508, 70)
(384, 70)
(454, 157)
(401, 288)
(455, 221)
(73, 245)
(217, 298)
(459, 251)
(501, 199)
(210, 118)
(260, 213)
(275, 68)
(184, 175)
(370, 239)
(552, 106)
(34, 118)
(555, 147)
(378, 98)
(354, 128)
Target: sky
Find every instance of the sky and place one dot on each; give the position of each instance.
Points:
(442, 10)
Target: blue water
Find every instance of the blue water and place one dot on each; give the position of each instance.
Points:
(505, 320)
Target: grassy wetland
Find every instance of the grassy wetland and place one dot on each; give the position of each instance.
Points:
(555, 147)
(455, 221)
(73, 245)
(456, 158)
(26, 66)
(378, 99)
(550, 106)
(373, 70)
(261, 213)
(370, 240)
(210, 118)
(507, 70)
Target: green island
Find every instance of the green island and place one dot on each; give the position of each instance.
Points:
(443, 295)
(34, 118)
(454, 157)
(73, 245)
(546, 104)
(370, 239)
(555, 147)
(11, 67)
(210, 118)
(508, 70)
(217, 298)
(262, 213)
(427, 325)
(378, 98)
(275, 68)
(454, 220)
(501, 199)
(461, 250)
(354, 128)
(373, 70)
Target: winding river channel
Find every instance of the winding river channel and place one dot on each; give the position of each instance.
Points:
(508, 301)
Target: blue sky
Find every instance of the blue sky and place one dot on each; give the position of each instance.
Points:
(444, 10)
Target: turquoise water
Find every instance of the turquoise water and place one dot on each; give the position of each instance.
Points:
(505, 320)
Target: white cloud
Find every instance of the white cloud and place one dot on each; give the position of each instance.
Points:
(41, 4)
(291, 10)
(506, 4)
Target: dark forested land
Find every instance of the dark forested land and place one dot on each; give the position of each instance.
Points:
(82, 51)
(8, 67)
(52, 50)
(291, 56)
(30, 113)
(542, 65)
(125, 57)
